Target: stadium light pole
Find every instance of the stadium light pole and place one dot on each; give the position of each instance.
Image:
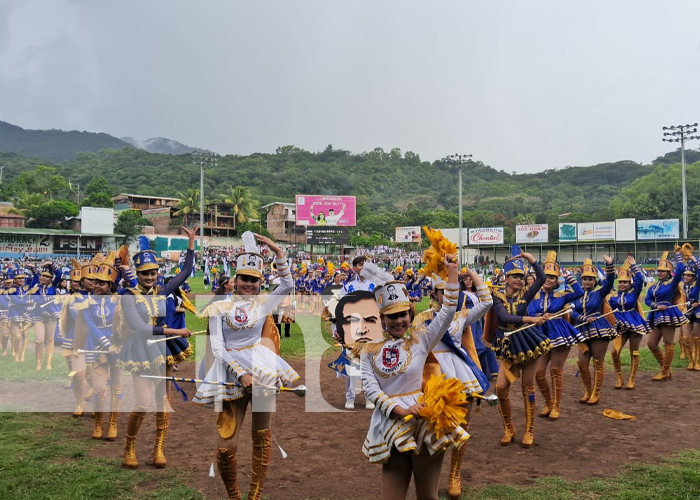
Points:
(681, 133)
(457, 160)
(203, 158)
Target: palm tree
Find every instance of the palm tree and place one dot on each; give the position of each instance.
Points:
(244, 206)
(25, 202)
(188, 204)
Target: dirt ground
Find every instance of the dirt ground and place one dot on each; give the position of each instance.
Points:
(324, 449)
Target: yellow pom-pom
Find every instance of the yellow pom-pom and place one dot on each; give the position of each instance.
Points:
(434, 257)
(444, 400)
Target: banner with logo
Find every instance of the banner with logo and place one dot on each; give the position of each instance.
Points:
(25, 244)
(532, 233)
(658, 229)
(567, 231)
(312, 210)
(408, 234)
(596, 231)
(486, 236)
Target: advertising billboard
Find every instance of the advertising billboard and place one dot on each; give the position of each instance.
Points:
(94, 220)
(658, 229)
(486, 236)
(312, 210)
(531, 233)
(327, 236)
(408, 234)
(595, 231)
(567, 231)
(625, 230)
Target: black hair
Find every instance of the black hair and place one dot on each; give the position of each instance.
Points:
(350, 298)
(357, 260)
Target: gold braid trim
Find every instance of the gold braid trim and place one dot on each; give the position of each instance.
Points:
(141, 366)
(179, 358)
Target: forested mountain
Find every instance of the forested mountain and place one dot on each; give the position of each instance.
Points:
(160, 145)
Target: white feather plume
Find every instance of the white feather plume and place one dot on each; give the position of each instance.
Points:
(374, 274)
(249, 242)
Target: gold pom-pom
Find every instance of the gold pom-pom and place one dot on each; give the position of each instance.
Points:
(434, 257)
(331, 268)
(444, 400)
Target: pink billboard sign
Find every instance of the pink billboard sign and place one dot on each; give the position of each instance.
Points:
(313, 210)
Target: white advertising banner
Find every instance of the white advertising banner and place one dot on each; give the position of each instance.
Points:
(452, 234)
(486, 236)
(658, 229)
(595, 231)
(531, 233)
(408, 234)
(625, 230)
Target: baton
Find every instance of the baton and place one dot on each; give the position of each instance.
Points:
(554, 316)
(155, 341)
(299, 390)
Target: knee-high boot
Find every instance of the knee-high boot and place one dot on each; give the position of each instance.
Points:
(504, 408)
(665, 373)
(585, 372)
(634, 365)
(99, 415)
(543, 386)
(454, 491)
(25, 341)
(114, 407)
(39, 355)
(598, 378)
(226, 463)
(696, 342)
(4, 342)
(79, 393)
(262, 449)
(132, 431)
(692, 353)
(617, 363)
(656, 351)
(557, 389)
(162, 424)
(49, 354)
(17, 347)
(529, 400)
(683, 341)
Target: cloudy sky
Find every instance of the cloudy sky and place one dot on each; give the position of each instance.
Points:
(522, 85)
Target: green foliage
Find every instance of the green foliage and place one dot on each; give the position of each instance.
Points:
(129, 223)
(51, 214)
(244, 205)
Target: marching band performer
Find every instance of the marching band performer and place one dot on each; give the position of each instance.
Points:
(142, 305)
(239, 330)
(45, 313)
(629, 322)
(665, 300)
(17, 313)
(691, 289)
(596, 330)
(4, 322)
(392, 372)
(561, 333)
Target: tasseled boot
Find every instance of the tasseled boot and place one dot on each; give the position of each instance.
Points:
(49, 355)
(132, 431)
(262, 449)
(543, 386)
(114, 407)
(557, 389)
(226, 464)
(665, 373)
(99, 415)
(529, 400)
(454, 491)
(39, 355)
(598, 378)
(617, 363)
(162, 424)
(79, 393)
(504, 408)
(634, 365)
(656, 351)
(585, 372)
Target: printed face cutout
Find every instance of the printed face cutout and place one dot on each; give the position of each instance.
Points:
(358, 321)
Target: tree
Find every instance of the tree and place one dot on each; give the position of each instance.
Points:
(129, 223)
(244, 205)
(188, 204)
(51, 214)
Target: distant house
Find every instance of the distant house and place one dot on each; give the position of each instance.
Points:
(157, 209)
(281, 223)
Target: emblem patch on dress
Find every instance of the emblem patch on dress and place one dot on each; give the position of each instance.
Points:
(390, 357)
(240, 316)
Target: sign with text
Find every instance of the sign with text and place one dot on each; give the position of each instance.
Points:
(532, 233)
(486, 236)
(314, 210)
(567, 231)
(658, 229)
(25, 244)
(71, 244)
(408, 234)
(595, 231)
(327, 236)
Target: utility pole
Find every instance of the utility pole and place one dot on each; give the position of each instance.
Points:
(457, 160)
(680, 133)
(210, 159)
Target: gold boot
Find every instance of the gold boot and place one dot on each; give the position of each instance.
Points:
(79, 393)
(504, 409)
(557, 389)
(529, 400)
(656, 351)
(585, 372)
(617, 363)
(49, 355)
(226, 463)
(25, 341)
(692, 353)
(665, 373)
(454, 491)
(262, 449)
(114, 407)
(99, 415)
(132, 430)
(598, 378)
(5, 343)
(17, 348)
(39, 354)
(696, 341)
(162, 424)
(543, 386)
(682, 340)
(634, 364)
